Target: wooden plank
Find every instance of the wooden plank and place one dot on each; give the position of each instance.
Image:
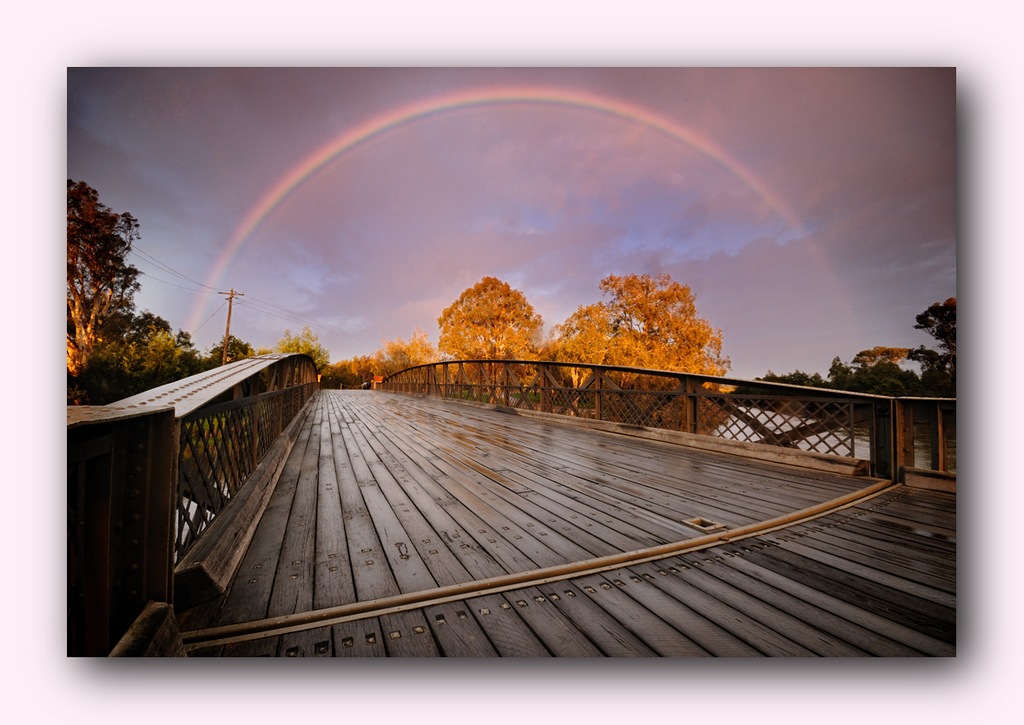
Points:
(702, 631)
(262, 647)
(641, 454)
(333, 581)
(857, 568)
(926, 617)
(513, 635)
(562, 514)
(457, 631)
(293, 580)
(659, 634)
(877, 634)
(756, 635)
(248, 597)
(457, 491)
(606, 633)
(865, 641)
(638, 496)
(887, 558)
(766, 611)
(307, 643)
(407, 634)
(361, 638)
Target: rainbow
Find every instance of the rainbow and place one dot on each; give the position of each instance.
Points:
(467, 99)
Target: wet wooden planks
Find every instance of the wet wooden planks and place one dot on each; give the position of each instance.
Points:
(386, 494)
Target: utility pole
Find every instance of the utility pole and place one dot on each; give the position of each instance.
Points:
(227, 331)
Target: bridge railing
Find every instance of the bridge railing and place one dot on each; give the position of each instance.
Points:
(149, 474)
(220, 446)
(890, 434)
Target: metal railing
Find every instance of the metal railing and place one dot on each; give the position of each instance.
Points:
(851, 425)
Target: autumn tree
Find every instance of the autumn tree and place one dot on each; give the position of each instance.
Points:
(879, 354)
(350, 373)
(100, 280)
(490, 321)
(646, 322)
(305, 342)
(395, 355)
(584, 337)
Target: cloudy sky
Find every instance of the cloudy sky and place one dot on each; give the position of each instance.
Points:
(812, 211)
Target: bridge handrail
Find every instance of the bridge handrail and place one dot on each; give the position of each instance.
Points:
(875, 428)
(148, 474)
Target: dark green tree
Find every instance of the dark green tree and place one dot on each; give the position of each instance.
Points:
(938, 367)
(237, 350)
(797, 377)
(146, 355)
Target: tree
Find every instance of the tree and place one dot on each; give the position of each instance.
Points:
(305, 342)
(490, 321)
(395, 355)
(237, 350)
(584, 337)
(647, 322)
(348, 373)
(875, 371)
(939, 321)
(145, 355)
(100, 281)
(797, 377)
(878, 354)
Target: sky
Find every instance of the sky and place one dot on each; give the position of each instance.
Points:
(812, 211)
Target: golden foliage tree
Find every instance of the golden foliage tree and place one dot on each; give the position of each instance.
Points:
(646, 322)
(490, 321)
(395, 355)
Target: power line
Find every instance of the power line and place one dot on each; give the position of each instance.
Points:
(153, 260)
(257, 304)
(172, 284)
(211, 316)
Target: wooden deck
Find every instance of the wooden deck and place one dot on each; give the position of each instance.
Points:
(404, 526)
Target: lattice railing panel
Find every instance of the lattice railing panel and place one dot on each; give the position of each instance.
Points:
(812, 425)
(640, 407)
(574, 402)
(220, 447)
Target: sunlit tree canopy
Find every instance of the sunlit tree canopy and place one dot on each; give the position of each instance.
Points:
(491, 321)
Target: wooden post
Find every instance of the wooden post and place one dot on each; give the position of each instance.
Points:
(692, 406)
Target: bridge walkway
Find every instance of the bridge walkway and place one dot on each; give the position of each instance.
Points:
(406, 526)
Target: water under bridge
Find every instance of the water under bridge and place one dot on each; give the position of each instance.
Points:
(509, 508)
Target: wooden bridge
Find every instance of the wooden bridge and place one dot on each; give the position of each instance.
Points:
(512, 508)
